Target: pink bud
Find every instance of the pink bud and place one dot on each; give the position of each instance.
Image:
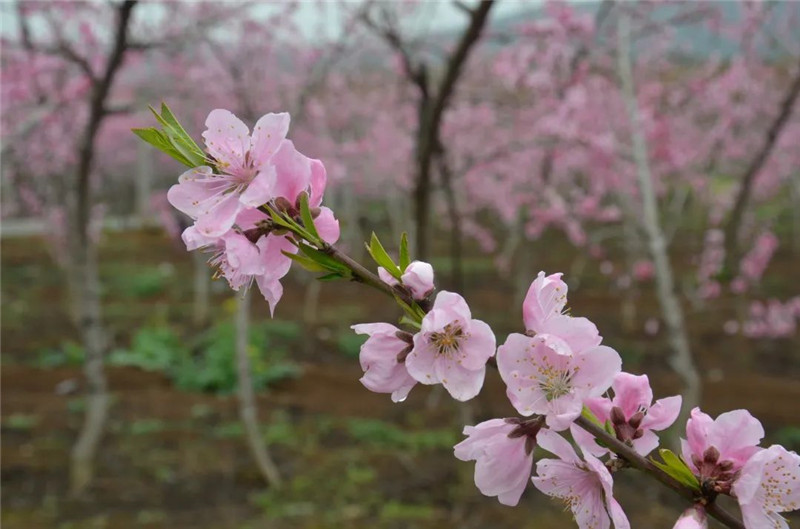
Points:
(418, 277)
(692, 518)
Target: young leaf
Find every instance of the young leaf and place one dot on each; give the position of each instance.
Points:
(323, 259)
(333, 276)
(405, 320)
(178, 136)
(380, 256)
(160, 141)
(405, 260)
(675, 467)
(305, 262)
(308, 219)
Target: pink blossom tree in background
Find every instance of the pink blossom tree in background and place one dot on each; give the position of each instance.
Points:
(557, 374)
(68, 94)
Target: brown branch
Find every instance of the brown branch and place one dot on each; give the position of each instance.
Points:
(734, 223)
(645, 465)
(100, 91)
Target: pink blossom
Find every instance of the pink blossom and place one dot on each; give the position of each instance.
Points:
(503, 453)
(544, 376)
(382, 357)
(451, 348)
(692, 518)
(643, 270)
(586, 486)
(247, 173)
(632, 412)
(387, 278)
(716, 449)
(769, 483)
(418, 277)
(542, 313)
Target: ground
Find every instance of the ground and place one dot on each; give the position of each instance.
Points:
(177, 458)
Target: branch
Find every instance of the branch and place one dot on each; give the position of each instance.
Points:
(641, 463)
(478, 20)
(743, 196)
(100, 91)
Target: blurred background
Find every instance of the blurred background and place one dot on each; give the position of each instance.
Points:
(506, 138)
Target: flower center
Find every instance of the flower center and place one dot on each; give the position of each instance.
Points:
(448, 340)
(555, 383)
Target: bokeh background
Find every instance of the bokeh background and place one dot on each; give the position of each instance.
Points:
(532, 167)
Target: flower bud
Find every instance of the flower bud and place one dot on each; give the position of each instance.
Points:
(636, 419)
(711, 455)
(418, 277)
(617, 416)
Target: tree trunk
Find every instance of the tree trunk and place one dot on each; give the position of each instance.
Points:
(248, 410)
(681, 360)
(89, 320)
(456, 239)
(84, 264)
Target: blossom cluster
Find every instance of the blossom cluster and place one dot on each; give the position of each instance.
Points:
(555, 372)
(227, 198)
(257, 200)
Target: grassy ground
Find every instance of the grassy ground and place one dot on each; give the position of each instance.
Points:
(175, 455)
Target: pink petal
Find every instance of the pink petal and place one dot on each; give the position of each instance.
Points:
(268, 134)
(557, 445)
(221, 218)
(648, 442)
(452, 306)
(242, 255)
(462, 384)
(418, 277)
(596, 370)
(193, 239)
(293, 171)
(479, 347)
(631, 392)
(663, 413)
(226, 137)
(736, 434)
(420, 361)
(579, 333)
(386, 277)
(197, 191)
(546, 297)
(327, 225)
(259, 190)
(692, 518)
(319, 178)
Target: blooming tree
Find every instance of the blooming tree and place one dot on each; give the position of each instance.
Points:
(257, 207)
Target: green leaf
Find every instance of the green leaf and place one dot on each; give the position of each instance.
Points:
(414, 312)
(675, 467)
(178, 136)
(305, 262)
(324, 259)
(160, 141)
(380, 256)
(308, 219)
(405, 320)
(587, 414)
(333, 276)
(405, 260)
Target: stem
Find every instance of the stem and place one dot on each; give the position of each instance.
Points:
(621, 449)
(641, 463)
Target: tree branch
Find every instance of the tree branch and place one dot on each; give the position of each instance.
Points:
(734, 223)
(641, 463)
